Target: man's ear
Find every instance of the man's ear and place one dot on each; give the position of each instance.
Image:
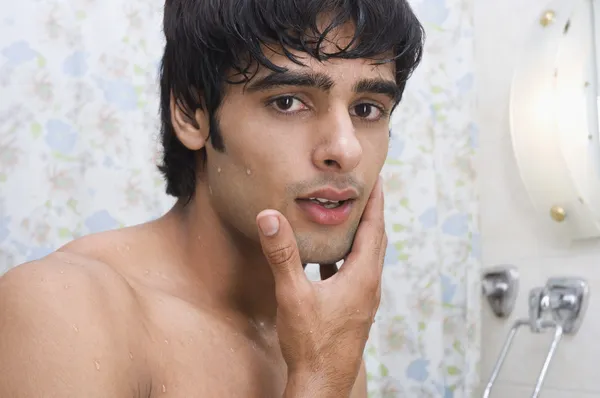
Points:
(192, 132)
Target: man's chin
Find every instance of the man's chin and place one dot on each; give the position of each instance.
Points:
(328, 249)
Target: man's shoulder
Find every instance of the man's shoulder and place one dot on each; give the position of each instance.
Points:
(62, 288)
(62, 275)
(64, 318)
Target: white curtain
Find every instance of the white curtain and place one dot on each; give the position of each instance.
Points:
(78, 129)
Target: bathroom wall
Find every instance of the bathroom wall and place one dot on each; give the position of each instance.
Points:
(512, 235)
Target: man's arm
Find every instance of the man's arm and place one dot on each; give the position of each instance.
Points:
(360, 385)
(56, 338)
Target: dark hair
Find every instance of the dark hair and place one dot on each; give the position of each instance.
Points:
(209, 40)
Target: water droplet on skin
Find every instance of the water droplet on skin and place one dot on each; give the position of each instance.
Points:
(67, 286)
(62, 271)
(228, 319)
(127, 247)
(210, 189)
(261, 324)
(219, 170)
(97, 364)
(248, 171)
(166, 341)
(131, 356)
(232, 350)
(75, 328)
(147, 272)
(164, 388)
(311, 332)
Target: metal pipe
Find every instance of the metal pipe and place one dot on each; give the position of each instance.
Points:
(503, 354)
(558, 333)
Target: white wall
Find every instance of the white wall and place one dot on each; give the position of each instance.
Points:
(510, 232)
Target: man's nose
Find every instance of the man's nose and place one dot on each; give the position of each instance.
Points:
(340, 150)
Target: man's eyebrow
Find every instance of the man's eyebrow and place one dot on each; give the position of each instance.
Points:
(299, 79)
(379, 86)
(322, 82)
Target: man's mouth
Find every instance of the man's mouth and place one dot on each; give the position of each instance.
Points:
(328, 206)
(326, 203)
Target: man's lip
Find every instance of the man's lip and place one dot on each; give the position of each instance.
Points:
(332, 194)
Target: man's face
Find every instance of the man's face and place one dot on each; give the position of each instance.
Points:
(317, 132)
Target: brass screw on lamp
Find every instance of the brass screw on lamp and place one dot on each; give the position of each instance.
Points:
(558, 214)
(547, 18)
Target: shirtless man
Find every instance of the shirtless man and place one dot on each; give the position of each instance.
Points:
(211, 300)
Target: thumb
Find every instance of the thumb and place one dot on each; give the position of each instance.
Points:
(280, 249)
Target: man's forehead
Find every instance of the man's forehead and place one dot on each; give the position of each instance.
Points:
(337, 69)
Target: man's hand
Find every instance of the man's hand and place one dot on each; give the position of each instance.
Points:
(323, 326)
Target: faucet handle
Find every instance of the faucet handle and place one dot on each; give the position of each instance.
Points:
(500, 285)
(566, 301)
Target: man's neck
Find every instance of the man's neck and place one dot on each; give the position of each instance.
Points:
(228, 267)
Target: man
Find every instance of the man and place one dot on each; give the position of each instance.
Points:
(275, 119)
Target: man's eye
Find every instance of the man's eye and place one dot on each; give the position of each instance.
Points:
(367, 111)
(288, 104)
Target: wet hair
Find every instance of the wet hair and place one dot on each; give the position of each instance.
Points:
(211, 43)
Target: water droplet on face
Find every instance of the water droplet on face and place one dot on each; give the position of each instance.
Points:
(67, 286)
(261, 324)
(219, 170)
(75, 328)
(166, 341)
(130, 356)
(164, 388)
(127, 247)
(248, 171)
(228, 319)
(210, 190)
(97, 364)
(147, 272)
(231, 349)
(62, 271)
(311, 332)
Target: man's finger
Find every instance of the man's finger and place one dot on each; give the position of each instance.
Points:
(369, 240)
(280, 249)
(327, 270)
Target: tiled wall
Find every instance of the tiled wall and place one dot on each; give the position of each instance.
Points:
(513, 235)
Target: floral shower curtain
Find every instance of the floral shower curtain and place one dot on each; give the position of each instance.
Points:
(78, 128)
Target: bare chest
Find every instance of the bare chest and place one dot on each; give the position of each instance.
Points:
(218, 376)
(214, 359)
